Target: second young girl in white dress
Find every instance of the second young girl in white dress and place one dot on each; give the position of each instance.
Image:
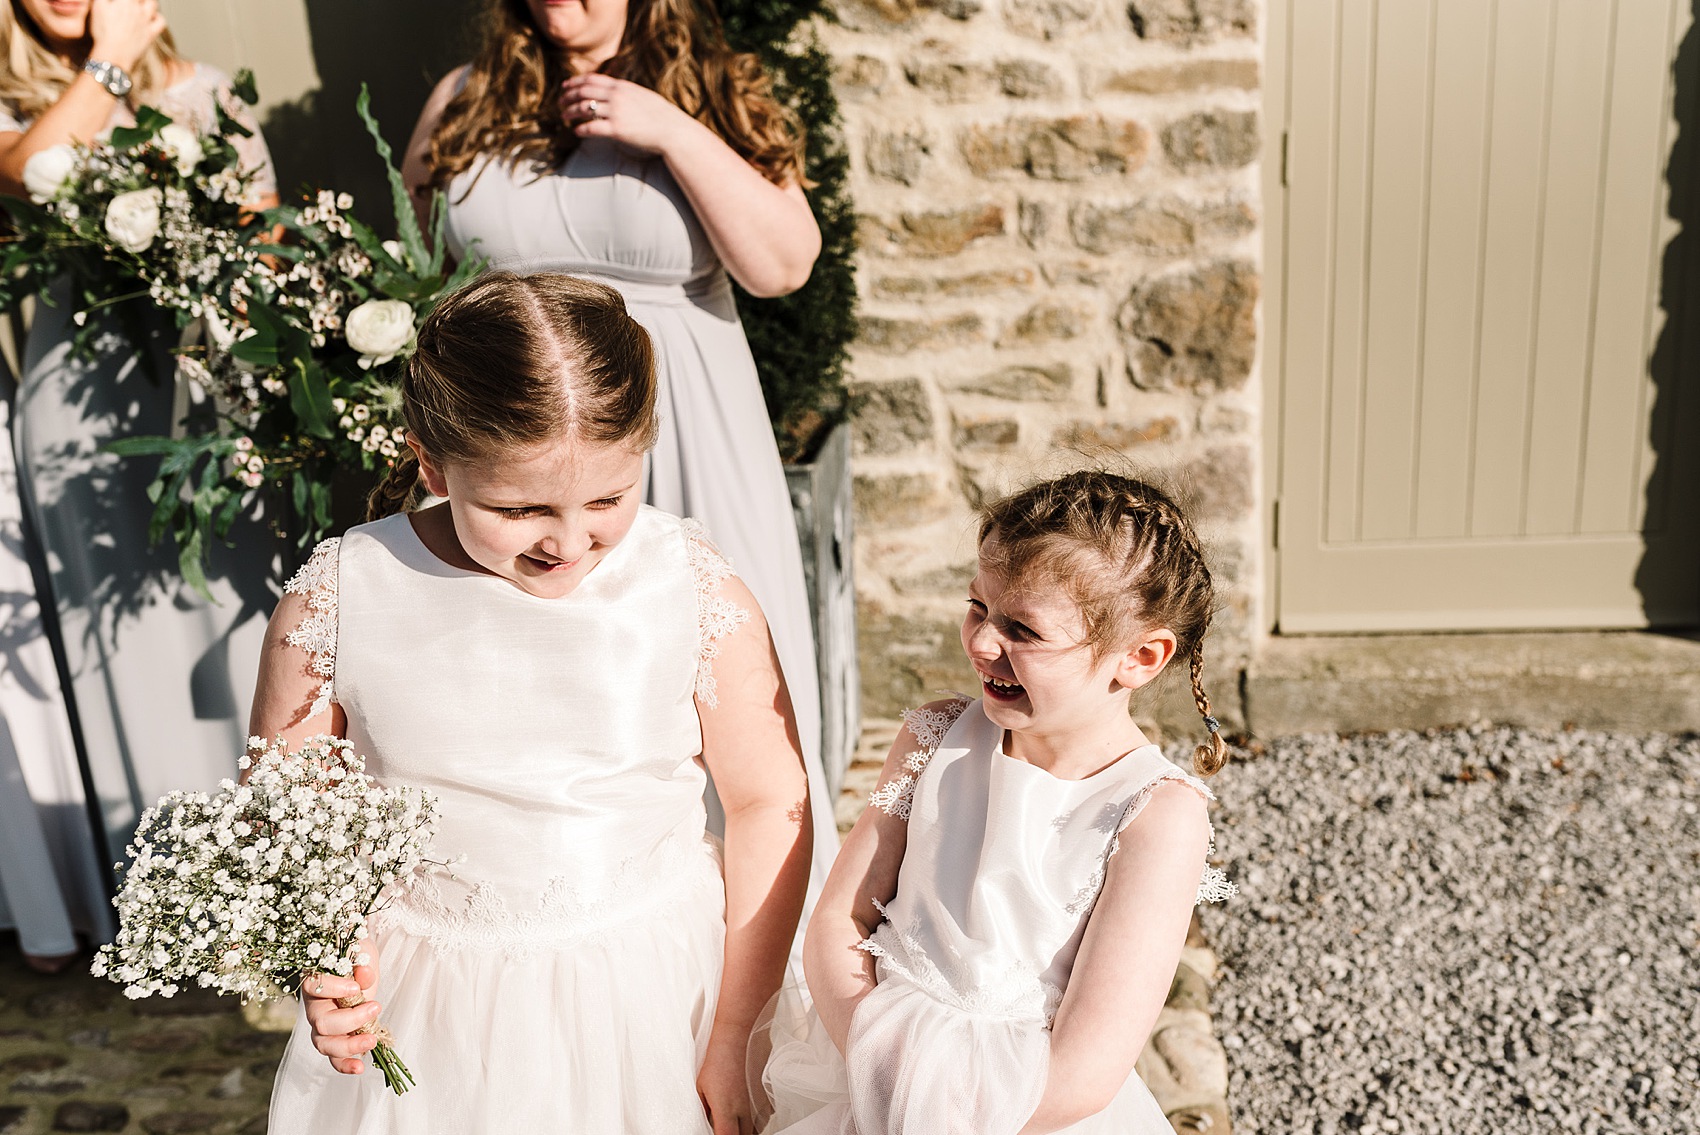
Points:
(1002, 926)
(558, 663)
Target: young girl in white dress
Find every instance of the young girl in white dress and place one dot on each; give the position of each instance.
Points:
(1003, 924)
(558, 663)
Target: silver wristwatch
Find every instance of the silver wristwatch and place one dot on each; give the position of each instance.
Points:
(111, 76)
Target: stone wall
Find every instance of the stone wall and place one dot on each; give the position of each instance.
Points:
(1059, 255)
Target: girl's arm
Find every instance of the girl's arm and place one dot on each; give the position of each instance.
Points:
(839, 973)
(749, 743)
(1127, 959)
(765, 234)
(284, 696)
(120, 34)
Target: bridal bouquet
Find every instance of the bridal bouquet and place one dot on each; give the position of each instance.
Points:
(253, 886)
(294, 322)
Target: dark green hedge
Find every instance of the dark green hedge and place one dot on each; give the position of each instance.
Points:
(800, 341)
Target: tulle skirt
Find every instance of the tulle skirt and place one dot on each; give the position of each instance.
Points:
(918, 1066)
(602, 1037)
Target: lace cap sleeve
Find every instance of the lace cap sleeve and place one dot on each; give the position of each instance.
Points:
(717, 616)
(316, 634)
(929, 724)
(1214, 885)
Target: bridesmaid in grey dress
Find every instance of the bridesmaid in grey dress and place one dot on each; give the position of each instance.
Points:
(159, 677)
(552, 164)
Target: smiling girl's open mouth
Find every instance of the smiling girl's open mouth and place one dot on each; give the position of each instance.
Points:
(999, 690)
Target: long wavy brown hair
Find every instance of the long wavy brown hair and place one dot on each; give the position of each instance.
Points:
(32, 78)
(674, 47)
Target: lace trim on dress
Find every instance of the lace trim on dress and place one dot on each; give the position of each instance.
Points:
(316, 633)
(717, 616)
(1017, 991)
(929, 725)
(565, 915)
(1213, 886)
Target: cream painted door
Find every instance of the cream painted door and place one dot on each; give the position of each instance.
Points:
(1480, 352)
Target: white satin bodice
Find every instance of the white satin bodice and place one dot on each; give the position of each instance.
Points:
(560, 735)
(1003, 864)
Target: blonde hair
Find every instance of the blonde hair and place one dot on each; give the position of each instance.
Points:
(509, 362)
(34, 78)
(1124, 552)
(506, 109)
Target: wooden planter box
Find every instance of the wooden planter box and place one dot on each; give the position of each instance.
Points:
(821, 503)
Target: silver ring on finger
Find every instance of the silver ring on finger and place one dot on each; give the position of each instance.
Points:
(595, 110)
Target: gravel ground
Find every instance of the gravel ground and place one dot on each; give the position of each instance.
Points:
(1482, 930)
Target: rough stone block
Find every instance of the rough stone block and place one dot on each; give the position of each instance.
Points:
(1212, 139)
(1196, 1119)
(897, 155)
(1034, 221)
(986, 432)
(1186, 75)
(172, 1041)
(1048, 322)
(1192, 21)
(1022, 383)
(1195, 1060)
(992, 281)
(1219, 483)
(33, 1062)
(899, 336)
(948, 582)
(1057, 149)
(890, 416)
(1195, 329)
(1118, 436)
(908, 659)
(1162, 225)
(859, 76)
(942, 233)
(882, 15)
(1028, 79)
(81, 1115)
(181, 1123)
(1048, 19)
(896, 500)
(950, 80)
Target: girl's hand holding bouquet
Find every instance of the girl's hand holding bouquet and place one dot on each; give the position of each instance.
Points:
(271, 881)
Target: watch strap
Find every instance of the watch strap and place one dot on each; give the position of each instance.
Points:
(111, 76)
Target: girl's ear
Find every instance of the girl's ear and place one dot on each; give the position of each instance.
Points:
(1146, 658)
(430, 473)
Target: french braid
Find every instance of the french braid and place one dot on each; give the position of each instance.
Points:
(397, 491)
(1128, 555)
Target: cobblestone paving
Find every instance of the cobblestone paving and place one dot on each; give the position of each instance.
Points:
(75, 1055)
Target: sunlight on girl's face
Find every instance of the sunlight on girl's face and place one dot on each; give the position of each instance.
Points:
(1028, 644)
(63, 23)
(582, 27)
(544, 517)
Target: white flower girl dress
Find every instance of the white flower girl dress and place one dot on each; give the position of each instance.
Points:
(1003, 864)
(564, 978)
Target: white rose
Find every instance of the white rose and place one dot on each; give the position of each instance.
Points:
(132, 219)
(183, 146)
(379, 330)
(47, 171)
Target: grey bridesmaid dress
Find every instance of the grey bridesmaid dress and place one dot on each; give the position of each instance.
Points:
(616, 216)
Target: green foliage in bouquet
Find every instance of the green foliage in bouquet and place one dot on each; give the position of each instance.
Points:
(801, 341)
(295, 322)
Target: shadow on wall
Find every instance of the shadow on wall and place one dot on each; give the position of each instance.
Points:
(399, 49)
(1669, 574)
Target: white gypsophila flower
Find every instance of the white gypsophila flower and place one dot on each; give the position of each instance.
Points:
(132, 219)
(380, 330)
(183, 146)
(48, 171)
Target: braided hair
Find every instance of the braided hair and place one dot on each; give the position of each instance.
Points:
(510, 362)
(1127, 555)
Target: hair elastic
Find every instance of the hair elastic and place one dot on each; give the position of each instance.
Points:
(1211, 724)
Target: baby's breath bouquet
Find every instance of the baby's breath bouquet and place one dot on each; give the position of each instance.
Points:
(251, 887)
